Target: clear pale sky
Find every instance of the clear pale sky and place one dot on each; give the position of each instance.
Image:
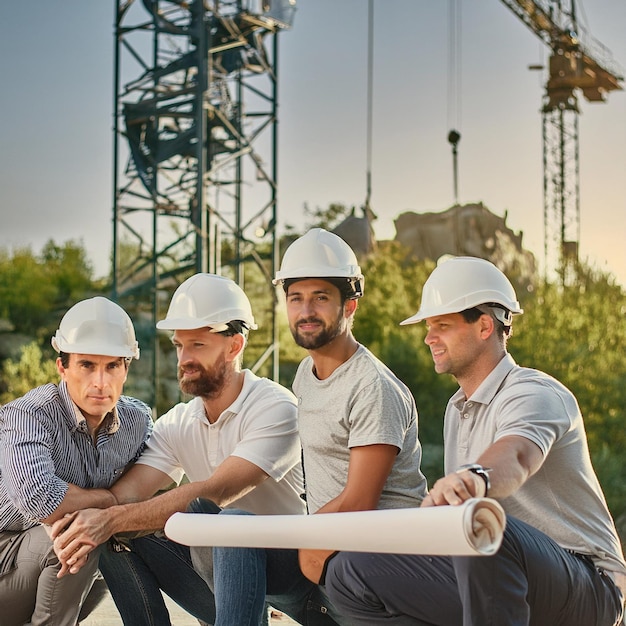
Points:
(56, 67)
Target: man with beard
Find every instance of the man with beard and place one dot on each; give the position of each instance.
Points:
(236, 442)
(358, 428)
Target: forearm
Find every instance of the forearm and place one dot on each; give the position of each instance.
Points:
(513, 460)
(153, 513)
(77, 498)
(504, 479)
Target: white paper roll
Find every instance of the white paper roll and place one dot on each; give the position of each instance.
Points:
(473, 528)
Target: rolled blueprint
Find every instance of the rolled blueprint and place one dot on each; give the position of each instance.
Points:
(470, 529)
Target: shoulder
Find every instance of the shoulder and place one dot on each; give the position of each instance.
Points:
(373, 371)
(529, 381)
(129, 405)
(264, 389)
(44, 397)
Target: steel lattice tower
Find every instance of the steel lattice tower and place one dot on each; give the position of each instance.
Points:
(195, 154)
(579, 64)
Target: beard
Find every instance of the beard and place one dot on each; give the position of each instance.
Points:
(209, 383)
(310, 341)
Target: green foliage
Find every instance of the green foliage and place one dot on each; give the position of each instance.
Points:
(32, 370)
(393, 287)
(36, 290)
(577, 334)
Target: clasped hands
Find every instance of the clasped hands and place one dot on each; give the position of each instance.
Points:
(75, 536)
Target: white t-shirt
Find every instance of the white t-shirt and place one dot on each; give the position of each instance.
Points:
(259, 426)
(361, 403)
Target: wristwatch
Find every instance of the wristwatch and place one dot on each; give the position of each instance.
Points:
(479, 470)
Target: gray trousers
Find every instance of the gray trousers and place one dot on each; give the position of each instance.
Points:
(30, 592)
(531, 581)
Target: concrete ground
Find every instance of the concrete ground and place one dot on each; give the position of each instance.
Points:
(105, 614)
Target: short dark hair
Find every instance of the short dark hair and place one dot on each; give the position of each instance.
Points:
(65, 359)
(473, 315)
(235, 327)
(348, 289)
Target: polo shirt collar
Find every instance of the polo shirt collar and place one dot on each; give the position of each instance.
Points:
(488, 389)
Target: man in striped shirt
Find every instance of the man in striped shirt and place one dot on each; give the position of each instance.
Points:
(61, 447)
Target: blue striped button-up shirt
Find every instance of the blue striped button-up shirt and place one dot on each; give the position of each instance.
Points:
(43, 448)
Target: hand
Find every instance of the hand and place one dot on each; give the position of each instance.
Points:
(76, 535)
(455, 489)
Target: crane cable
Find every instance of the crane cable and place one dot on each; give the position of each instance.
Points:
(454, 64)
(454, 87)
(370, 91)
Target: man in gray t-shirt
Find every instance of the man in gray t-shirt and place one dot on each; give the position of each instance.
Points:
(358, 428)
(514, 434)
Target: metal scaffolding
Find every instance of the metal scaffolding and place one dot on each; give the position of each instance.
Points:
(195, 128)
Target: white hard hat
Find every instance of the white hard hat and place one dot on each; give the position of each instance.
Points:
(207, 300)
(96, 326)
(462, 283)
(321, 254)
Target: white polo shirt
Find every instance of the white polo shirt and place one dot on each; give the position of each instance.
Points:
(259, 426)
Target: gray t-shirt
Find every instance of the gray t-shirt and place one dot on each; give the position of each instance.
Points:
(361, 403)
(564, 498)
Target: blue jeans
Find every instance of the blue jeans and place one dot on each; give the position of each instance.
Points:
(246, 578)
(531, 581)
(136, 578)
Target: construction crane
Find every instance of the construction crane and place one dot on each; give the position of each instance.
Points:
(578, 64)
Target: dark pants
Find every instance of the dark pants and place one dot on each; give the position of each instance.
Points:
(531, 581)
(154, 564)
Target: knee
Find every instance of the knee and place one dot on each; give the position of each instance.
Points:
(203, 505)
(343, 578)
(234, 512)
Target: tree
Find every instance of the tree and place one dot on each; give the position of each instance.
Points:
(32, 370)
(577, 334)
(36, 289)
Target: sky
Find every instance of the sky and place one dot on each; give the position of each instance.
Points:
(56, 140)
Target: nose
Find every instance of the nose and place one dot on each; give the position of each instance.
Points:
(184, 355)
(304, 309)
(99, 378)
(429, 338)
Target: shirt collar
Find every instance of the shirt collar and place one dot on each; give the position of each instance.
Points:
(236, 406)
(490, 386)
(248, 383)
(110, 424)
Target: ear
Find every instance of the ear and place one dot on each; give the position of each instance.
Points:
(60, 367)
(486, 326)
(237, 344)
(349, 307)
